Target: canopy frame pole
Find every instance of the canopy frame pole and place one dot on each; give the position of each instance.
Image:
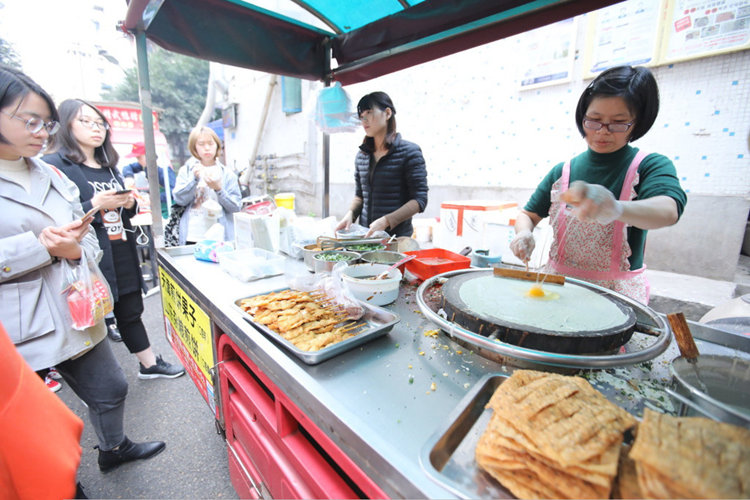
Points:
(327, 142)
(144, 92)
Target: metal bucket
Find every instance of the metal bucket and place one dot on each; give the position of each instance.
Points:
(724, 393)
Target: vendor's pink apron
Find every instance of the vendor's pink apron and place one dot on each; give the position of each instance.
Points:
(594, 252)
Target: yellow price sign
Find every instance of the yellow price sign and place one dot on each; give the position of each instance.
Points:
(191, 324)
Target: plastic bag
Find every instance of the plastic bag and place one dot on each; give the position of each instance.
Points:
(356, 231)
(332, 286)
(87, 293)
(334, 111)
(304, 231)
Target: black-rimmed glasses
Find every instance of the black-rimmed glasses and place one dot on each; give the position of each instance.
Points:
(89, 124)
(36, 124)
(612, 127)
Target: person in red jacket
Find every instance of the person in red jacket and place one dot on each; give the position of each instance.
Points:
(39, 435)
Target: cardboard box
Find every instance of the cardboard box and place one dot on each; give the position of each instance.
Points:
(463, 223)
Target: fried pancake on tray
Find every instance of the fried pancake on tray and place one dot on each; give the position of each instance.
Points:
(691, 457)
(306, 321)
(552, 436)
(626, 483)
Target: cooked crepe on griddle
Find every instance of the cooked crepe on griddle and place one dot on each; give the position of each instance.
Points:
(552, 436)
(691, 457)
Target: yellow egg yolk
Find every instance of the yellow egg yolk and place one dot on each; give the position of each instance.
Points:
(535, 291)
(538, 293)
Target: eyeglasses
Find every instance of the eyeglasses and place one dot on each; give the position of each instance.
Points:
(90, 124)
(36, 124)
(612, 127)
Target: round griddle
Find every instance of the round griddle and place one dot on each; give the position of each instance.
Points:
(497, 326)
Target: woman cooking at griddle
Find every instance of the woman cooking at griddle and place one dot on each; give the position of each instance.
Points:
(390, 174)
(602, 202)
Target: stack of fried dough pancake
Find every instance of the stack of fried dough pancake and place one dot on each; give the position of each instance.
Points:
(307, 321)
(552, 436)
(689, 457)
(555, 436)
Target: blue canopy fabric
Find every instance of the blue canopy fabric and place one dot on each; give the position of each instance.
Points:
(343, 40)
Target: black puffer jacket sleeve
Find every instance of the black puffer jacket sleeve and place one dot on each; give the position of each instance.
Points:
(399, 176)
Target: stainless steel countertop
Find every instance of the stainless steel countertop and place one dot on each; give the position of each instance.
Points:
(377, 402)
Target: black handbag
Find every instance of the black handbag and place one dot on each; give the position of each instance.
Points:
(172, 229)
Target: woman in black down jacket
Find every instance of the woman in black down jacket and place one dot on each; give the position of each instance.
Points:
(390, 174)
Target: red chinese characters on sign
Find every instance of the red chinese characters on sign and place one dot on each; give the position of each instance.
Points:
(125, 118)
(682, 24)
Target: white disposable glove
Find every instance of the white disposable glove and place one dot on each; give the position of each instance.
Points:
(523, 245)
(593, 202)
(346, 222)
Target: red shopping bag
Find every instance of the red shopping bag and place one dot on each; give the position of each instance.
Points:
(87, 293)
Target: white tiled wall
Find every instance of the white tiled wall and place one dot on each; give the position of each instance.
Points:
(478, 129)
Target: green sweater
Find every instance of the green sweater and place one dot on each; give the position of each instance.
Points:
(657, 177)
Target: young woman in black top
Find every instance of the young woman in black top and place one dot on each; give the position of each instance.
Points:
(390, 174)
(84, 152)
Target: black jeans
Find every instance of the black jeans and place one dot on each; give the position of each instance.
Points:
(96, 378)
(128, 311)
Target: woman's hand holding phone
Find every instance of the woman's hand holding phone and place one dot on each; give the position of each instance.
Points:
(113, 198)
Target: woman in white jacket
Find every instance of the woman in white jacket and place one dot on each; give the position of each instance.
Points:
(208, 190)
(40, 225)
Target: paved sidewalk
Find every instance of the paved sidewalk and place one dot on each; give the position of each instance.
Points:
(694, 295)
(194, 464)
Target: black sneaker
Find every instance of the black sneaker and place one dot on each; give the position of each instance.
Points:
(160, 369)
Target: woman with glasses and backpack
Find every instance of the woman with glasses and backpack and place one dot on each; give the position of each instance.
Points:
(617, 192)
(41, 225)
(85, 154)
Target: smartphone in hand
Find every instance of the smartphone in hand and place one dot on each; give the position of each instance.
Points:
(123, 191)
(89, 214)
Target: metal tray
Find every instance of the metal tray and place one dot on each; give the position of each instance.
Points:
(379, 322)
(448, 456)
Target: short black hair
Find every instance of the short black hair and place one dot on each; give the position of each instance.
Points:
(15, 85)
(379, 100)
(105, 154)
(636, 85)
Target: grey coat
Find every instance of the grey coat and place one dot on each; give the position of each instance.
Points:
(229, 198)
(32, 309)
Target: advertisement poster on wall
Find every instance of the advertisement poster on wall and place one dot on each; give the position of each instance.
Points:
(624, 34)
(699, 28)
(552, 51)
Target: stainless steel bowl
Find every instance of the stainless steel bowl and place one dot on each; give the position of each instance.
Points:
(370, 247)
(307, 255)
(719, 386)
(384, 257)
(326, 266)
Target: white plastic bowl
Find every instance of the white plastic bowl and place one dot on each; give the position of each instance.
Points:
(377, 292)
